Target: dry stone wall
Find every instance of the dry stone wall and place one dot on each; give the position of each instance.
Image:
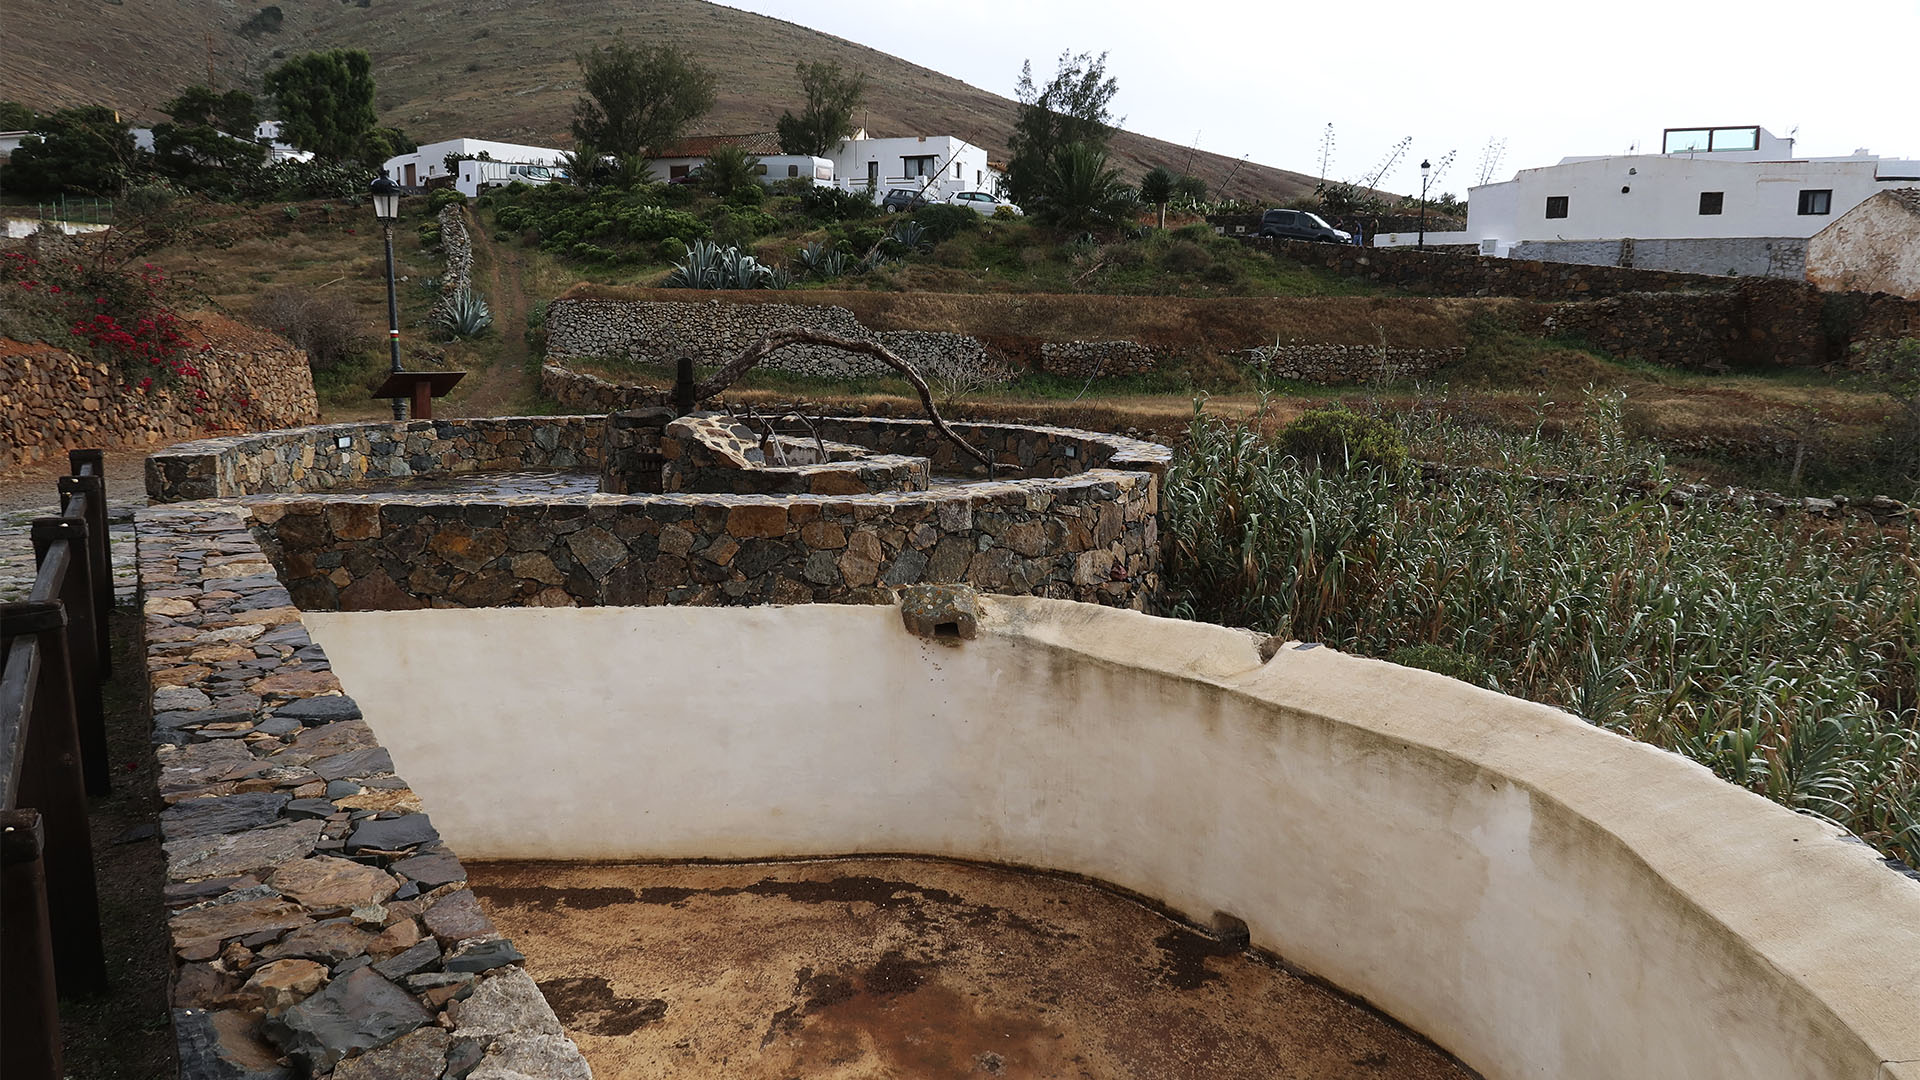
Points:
(52, 401)
(658, 332)
(319, 926)
(1317, 362)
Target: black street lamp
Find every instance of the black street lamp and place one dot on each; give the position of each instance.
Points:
(386, 207)
(1425, 166)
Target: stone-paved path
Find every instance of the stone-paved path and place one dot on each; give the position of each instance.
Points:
(16, 547)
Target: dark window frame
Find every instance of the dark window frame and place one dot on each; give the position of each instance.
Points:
(1713, 203)
(1557, 206)
(1816, 202)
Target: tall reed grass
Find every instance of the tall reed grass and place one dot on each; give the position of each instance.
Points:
(1783, 654)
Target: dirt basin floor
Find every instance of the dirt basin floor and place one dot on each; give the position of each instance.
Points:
(912, 968)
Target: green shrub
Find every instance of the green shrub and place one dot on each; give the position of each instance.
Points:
(733, 227)
(445, 197)
(751, 194)
(1338, 438)
(1440, 659)
(861, 239)
(429, 233)
(832, 204)
(943, 221)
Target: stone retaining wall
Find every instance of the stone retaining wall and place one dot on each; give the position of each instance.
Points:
(319, 926)
(1690, 321)
(1322, 363)
(1096, 359)
(658, 332)
(52, 401)
(1747, 256)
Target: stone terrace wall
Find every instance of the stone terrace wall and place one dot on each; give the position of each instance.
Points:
(1322, 363)
(1092, 537)
(314, 913)
(657, 332)
(313, 459)
(53, 401)
(1441, 274)
(1688, 321)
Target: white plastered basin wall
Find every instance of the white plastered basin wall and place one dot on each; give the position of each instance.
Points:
(1537, 896)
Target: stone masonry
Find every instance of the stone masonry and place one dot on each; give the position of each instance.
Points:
(1071, 515)
(52, 401)
(320, 927)
(657, 332)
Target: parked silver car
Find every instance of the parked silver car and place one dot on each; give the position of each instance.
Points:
(984, 203)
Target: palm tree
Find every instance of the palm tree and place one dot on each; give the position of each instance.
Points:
(1081, 189)
(1157, 188)
(727, 167)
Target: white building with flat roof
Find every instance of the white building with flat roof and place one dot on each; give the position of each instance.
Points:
(937, 166)
(1714, 200)
(412, 171)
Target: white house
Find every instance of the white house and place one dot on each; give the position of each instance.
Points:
(680, 159)
(936, 165)
(10, 141)
(412, 171)
(1714, 200)
(267, 133)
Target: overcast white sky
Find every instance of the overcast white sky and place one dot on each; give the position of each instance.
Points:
(1551, 78)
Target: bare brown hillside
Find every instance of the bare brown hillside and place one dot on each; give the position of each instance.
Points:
(504, 69)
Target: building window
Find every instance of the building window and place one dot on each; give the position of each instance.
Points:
(1712, 202)
(793, 171)
(676, 172)
(1816, 201)
(873, 173)
(956, 170)
(916, 166)
(1556, 206)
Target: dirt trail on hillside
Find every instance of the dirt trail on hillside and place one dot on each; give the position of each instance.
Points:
(505, 386)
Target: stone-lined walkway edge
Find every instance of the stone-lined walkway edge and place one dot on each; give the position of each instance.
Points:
(320, 927)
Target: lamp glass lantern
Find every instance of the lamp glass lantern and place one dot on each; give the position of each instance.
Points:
(386, 198)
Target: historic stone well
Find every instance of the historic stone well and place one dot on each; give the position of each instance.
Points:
(1161, 848)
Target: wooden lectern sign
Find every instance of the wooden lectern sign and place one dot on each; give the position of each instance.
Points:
(421, 387)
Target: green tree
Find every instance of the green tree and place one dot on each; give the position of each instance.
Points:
(234, 112)
(638, 98)
(1157, 188)
(325, 102)
(1189, 190)
(832, 96)
(1070, 109)
(15, 116)
(85, 150)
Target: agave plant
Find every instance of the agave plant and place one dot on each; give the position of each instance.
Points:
(909, 237)
(465, 314)
(710, 266)
(820, 261)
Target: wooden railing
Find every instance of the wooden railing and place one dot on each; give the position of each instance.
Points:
(54, 654)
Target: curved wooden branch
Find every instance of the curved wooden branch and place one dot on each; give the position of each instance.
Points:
(772, 343)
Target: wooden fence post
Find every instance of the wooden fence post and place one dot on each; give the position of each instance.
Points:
(29, 1013)
(51, 782)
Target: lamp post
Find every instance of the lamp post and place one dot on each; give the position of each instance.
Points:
(386, 207)
(1425, 166)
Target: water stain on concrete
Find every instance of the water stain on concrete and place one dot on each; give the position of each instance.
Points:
(913, 968)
